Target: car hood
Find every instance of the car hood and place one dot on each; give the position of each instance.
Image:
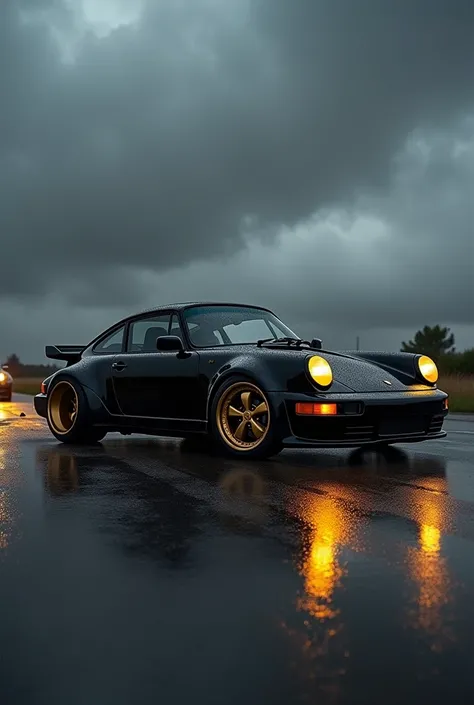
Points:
(353, 373)
(362, 376)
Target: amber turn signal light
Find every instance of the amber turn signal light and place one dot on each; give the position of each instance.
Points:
(308, 409)
(43, 388)
(446, 404)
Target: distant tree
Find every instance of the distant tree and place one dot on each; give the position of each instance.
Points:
(18, 369)
(14, 364)
(461, 363)
(13, 360)
(434, 342)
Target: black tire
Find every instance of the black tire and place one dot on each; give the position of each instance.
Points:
(223, 431)
(68, 414)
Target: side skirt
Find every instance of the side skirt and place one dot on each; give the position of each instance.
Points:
(157, 427)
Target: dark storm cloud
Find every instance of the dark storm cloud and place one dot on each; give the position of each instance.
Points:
(159, 142)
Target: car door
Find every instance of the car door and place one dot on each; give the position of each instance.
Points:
(155, 384)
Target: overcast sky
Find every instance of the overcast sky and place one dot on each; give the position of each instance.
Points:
(314, 156)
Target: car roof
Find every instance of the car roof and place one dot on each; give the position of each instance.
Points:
(181, 307)
(190, 304)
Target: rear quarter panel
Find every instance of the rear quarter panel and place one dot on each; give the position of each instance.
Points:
(93, 373)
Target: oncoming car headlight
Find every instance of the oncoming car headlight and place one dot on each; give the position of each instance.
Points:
(3, 377)
(320, 371)
(428, 369)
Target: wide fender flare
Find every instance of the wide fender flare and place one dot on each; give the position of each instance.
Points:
(255, 371)
(97, 409)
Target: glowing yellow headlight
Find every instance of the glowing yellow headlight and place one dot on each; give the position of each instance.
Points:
(320, 371)
(428, 369)
(2, 376)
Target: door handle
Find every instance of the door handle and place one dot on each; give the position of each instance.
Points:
(119, 366)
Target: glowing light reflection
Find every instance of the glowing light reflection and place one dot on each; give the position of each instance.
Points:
(321, 638)
(10, 413)
(430, 539)
(320, 566)
(321, 571)
(429, 570)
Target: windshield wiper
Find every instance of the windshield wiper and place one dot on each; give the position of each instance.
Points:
(289, 341)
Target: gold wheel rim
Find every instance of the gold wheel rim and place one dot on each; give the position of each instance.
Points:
(243, 416)
(62, 407)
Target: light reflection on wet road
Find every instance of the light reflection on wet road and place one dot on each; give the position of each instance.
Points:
(144, 570)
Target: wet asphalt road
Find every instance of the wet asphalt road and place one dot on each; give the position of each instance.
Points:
(145, 572)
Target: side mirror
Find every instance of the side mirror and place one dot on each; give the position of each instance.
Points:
(170, 343)
(317, 343)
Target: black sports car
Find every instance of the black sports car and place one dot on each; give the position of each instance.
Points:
(6, 384)
(239, 375)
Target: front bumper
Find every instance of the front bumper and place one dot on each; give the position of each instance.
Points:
(40, 402)
(363, 419)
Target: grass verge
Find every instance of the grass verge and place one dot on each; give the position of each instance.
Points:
(461, 392)
(459, 387)
(27, 385)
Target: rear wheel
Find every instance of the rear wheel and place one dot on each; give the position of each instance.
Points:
(68, 414)
(243, 421)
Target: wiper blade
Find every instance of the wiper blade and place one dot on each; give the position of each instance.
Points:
(289, 341)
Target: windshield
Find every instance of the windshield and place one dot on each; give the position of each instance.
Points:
(209, 326)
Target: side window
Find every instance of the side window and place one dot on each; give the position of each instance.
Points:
(143, 333)
(196, 335)
(112, 343)
(175, 328)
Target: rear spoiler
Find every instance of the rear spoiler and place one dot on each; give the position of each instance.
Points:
(69, 353)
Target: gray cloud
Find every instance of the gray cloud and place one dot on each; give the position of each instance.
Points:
(161, 138)
(171, 152)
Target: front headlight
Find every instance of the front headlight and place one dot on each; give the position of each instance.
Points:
(3, 377)
(428, 369)
(320, 371)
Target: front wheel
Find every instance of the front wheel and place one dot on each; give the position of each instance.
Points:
(242, 420)
(68, 414)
